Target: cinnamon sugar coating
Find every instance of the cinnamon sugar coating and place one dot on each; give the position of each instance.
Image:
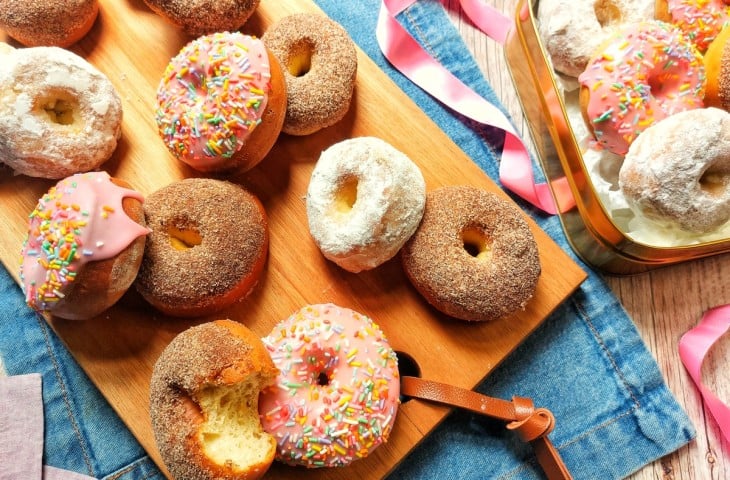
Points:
(319, 60)
(223, 261)
(473, 256)
(58, 23)
(199, 17)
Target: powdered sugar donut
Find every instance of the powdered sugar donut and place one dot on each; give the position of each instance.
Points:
(59, 115)
(678, 170)
(572, 30)
(336, 397)
(364, 200)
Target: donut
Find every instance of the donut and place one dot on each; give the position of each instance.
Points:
(319, 61)
(717, 68)
(699, 20)
(221, 103)
(678, 171)
(59, 23)
(336, 397)
(58, 114)
(571, 31)
(364, 200)
(201, 17)
(207, 248)
(645, 72)
(204, 403)
(84, 246)
(473, 257)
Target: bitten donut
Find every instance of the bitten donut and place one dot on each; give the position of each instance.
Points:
(84, 246)
(59, 23)
(699, 20)
(336, 398)
(207, 248)
(364, 200)
(678, 170)
(473, 256)
(221, 102)
(204, 403)
(572, 30)
(645, 72)
(319, 60)
(58, 114)
(717, 68)
(200, 17)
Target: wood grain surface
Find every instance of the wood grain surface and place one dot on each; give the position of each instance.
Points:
(664, 303)
(131, 45)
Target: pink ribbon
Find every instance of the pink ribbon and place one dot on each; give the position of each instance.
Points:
(407, 55)
(693, 346)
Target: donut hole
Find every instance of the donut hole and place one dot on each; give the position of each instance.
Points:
(59, 108)
(607, 13)
(299, 62)
(231, 430)
(477, 244)
(346, 195)
(183, 238)
(323, 379)
(714, 183)
(407, 367)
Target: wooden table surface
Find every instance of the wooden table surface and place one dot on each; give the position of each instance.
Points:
(664, 304)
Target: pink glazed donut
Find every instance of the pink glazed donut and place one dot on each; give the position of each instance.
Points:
(700, 20)
(645, 72)
(336, 397)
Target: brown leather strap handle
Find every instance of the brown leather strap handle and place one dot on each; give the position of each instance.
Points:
(531, 424)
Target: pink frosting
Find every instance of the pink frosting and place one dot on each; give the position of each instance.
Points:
(337, 395)
(211, 97)
(700, 20)
(646, 72)
(79, 220)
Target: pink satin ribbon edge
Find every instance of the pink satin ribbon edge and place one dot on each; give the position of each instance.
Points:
(405, 54)
(693, 347)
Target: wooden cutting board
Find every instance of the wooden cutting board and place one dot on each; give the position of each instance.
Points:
(118, 350)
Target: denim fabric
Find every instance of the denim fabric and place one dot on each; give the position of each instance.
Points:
(586, 363)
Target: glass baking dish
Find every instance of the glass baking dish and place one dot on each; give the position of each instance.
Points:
(591, 231)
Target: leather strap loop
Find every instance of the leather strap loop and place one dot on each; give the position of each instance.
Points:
(531, 424)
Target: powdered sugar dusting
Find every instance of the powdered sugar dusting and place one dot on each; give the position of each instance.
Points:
(390, 199)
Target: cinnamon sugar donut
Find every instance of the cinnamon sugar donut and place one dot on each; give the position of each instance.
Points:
(204, 395)
(200, 17)
(207, 248)
(319, 60)
(58, 114)
(364, 200)
(678, 170)
(58, 23)
(473, 256)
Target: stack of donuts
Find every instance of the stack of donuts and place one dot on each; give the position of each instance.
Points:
(326, 377)
(646, 88)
